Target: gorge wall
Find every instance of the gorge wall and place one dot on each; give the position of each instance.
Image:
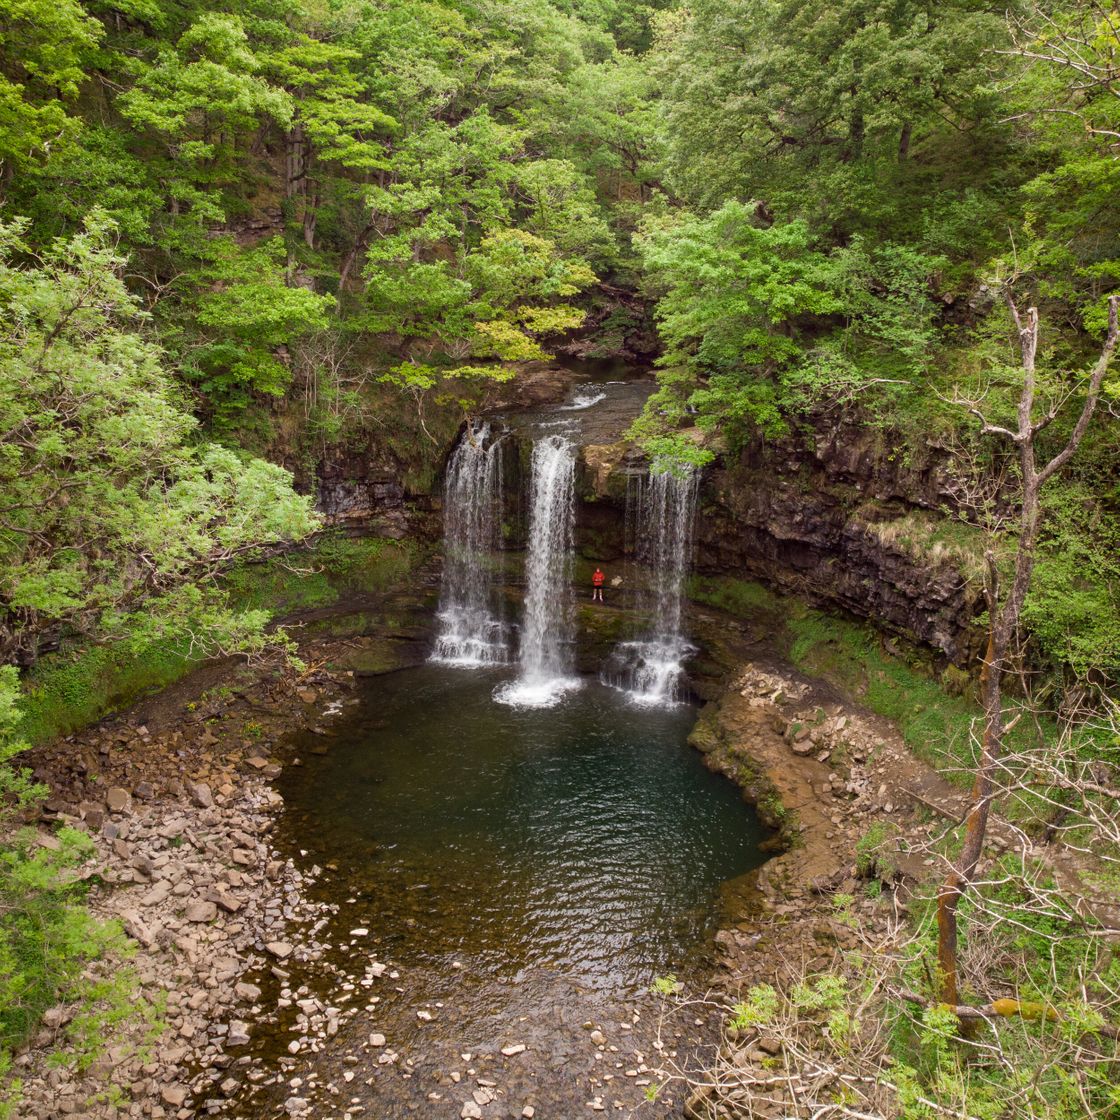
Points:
(839, 516)
(833, 513)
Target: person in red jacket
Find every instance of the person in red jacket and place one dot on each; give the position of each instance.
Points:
(597, 581)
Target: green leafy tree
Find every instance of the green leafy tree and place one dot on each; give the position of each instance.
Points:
(244, 316)
(853, 115)
(107, 507)
(43, 50)
(731, 293)
(199, 99)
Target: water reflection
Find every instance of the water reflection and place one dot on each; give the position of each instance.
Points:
(586, 839)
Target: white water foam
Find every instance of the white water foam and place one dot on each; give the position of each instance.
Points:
(547, 633)
(650, 669)
(583, 400)
(472, 632)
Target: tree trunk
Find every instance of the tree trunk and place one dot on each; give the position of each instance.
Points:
(1004, 624)
(904, 142)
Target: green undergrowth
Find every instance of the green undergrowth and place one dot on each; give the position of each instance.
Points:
(69, 690)
(53, 952)
(324, 574)
(1063, 1065)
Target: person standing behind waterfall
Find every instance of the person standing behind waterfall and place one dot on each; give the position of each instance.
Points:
(597, 581)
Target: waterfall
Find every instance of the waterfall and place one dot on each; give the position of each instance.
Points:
(472, 632)
(663, 515)
(547, 632)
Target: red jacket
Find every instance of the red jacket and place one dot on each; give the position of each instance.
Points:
(597, 579)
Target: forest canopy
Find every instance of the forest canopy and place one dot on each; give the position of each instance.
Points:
(241, 237)
(359, 210)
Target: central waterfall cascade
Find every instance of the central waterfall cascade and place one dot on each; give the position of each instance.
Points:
(472, 632)
(661, 513)
(548, 629)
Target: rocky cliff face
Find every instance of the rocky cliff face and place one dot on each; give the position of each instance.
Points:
(849, 523)
(834, 514)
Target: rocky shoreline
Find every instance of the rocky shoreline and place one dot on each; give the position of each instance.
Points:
(180, 819)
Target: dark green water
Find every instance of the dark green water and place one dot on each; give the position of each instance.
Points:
(586, 840)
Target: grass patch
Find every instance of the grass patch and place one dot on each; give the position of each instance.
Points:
(69, 690)
(935, 725)
(739, 596)
(934, 540)
(64, 692)
(849, 654)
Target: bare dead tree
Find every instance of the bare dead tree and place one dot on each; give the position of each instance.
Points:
(1005, 607)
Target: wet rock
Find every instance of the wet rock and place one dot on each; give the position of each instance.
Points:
(238, 1033)
(247, 991)
(280, 949)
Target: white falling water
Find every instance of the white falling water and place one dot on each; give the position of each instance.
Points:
(547, 632)
(651, 669)
(471, 630)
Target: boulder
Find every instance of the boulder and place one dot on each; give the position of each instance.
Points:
(118, 800)
(201, 911)
(174, 1095)
(202, 796)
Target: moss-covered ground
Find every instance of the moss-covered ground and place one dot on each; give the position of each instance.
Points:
(70, 689)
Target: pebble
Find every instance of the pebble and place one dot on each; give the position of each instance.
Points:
(516, 1048)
